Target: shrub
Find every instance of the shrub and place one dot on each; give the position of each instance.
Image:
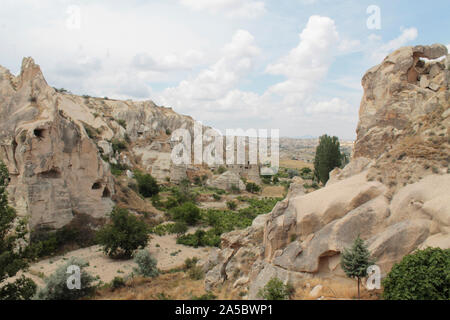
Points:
(118, 145)
(292, 173)
(252, 187)
(118, 169)
(187, 212)
(180, 228)
(147, 185)
(231, 205)
(13, 255)
(190, 263)
(196, 273)
(266, 179)
(221, 169)
(56, 286)
(117, 283)
(235, 189)
(201, 238)
(122, 123)
(275, 289)
(423, 275)
(146, 264)
(123, 235)
(206, 296)
(216, 197)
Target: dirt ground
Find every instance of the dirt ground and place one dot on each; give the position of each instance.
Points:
(167, 252)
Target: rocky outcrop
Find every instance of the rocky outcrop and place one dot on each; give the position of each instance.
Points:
(393, 193)
(59, 147)
(226, 181)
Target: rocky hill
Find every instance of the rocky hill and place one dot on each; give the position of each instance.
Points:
(394, 192)
(59, 148)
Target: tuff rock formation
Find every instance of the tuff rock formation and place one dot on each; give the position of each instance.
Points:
(58, 147)
(394, 192)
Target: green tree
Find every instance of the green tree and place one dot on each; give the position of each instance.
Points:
(328, 156)
(187, 212)
(423, 275)
(13, 253)
(356, 260)
(252, 187)
(123, 235)
(275, 289)
(147, 185)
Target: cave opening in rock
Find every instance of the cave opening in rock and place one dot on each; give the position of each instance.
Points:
(106, 193)
(53, 173)
(39, 133)
(96, 186)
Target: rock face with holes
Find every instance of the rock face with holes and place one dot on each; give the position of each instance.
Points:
(59, 147)
(56, 170)
(394, 192)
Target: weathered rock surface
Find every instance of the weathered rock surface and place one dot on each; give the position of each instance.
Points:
(57, 146)
(393, 193)
(227, 180)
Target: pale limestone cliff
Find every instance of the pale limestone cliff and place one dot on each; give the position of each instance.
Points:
(394, 192)
(58, 147)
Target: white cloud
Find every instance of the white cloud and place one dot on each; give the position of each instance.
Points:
(305, 65)
(382, 50)
(231, 8)
(335, 105)
(214, 82)
(171, 62)
(213, 94)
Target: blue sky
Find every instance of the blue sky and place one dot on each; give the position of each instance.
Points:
(293, 65)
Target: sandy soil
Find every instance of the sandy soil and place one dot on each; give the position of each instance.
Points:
(167, 252)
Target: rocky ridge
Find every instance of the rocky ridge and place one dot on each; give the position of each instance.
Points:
(59, 147)
(394, 192)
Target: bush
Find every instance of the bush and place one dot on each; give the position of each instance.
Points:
(146, 264)
(423, 275)
(216, 197)
(201, 238)
(221, 169)
(122, 123)
(147, 185)
(275, 289)
(123, 235)
(21, 289)
(231, 205)
(252, 187)
(117, 283)
(206, 296)
(292, 173)
(118, 145)
(196, 273)
(180, 228)
(187, 212)
(190, 263)
(13, 255)
(235, 189)
(118, 169)
(56, 287)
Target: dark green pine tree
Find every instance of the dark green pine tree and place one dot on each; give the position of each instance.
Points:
(356, 260)
(13, 252)
(328, 156)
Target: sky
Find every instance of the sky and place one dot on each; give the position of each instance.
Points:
(292, 65)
